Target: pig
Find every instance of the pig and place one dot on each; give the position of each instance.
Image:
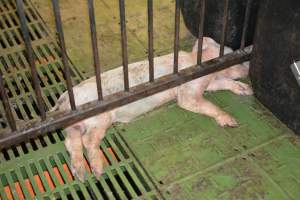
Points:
(88, 133)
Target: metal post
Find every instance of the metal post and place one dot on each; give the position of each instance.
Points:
(246, 23)
(95, 48)
(200, 33)
(224, 29)
(150, 40)
(176, 39)
(6, 105)
(30, 58)
(61, 39)
(124, 44)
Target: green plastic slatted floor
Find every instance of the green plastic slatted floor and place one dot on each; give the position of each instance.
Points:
(40, 168)
(182, 154)
(190, 157)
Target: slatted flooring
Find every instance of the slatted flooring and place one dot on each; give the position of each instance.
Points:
(41, 168)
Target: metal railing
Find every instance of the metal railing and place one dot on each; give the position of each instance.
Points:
(48, 122)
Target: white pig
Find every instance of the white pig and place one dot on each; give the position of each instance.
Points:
(89, 132)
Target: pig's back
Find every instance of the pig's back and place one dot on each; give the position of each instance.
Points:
(113, 80)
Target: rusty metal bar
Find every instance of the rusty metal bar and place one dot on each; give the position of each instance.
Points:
(246, 23)
(62, 45)
(224, 28)
(95, 48)
(110, 102)
(176, 38)
(9, 115)
(150, 40)
(124, 44)
(200, 33)
(30, 58)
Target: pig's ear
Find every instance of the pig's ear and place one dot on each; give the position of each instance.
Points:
(204, 45)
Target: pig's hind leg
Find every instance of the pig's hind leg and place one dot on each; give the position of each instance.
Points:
(91, 141)
(74, 146)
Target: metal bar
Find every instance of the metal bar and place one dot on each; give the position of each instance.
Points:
(124, 44)
(224, 28)
(63, 119)
(6, 105)
(150, 40)
(30, 58)
(176, 38)
(200, 33)
(65, 62)
(246, 23)
(95, 48)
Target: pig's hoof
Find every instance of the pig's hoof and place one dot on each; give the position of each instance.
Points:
(79, 172)
(226, 120)
(242, 89)
(97, 168)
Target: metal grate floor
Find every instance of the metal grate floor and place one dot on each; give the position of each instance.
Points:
(46, 174)
(14, 66)
(40, 168)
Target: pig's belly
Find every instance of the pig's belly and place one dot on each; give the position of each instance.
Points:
(130, 111)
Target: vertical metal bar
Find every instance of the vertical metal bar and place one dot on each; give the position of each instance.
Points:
(176, 38)
(61, 39)
(200, 33)
(95, 48)
(246, 23)
(124, 44)
(150, 40)
(30, 58)
(224, 28)
(6, 105)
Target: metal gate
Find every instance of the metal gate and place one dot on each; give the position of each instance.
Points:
(17, 128)
(33, 162)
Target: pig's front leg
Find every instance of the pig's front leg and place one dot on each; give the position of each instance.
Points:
(190, 97)
(235, 72)
(236, 87)
(74, 146)
(92, 139)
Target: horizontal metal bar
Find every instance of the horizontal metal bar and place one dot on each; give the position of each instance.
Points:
(95, 48)
(63, 119)
(62, 45)
(30, 58)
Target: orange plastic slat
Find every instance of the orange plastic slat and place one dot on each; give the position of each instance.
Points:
(39, 183)
(29, 188)
(19, 191)
(49, 180)
(87, 166)
(112, 152)
(103, 157)
(8, 193)
(68, 172)
(58, 175)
